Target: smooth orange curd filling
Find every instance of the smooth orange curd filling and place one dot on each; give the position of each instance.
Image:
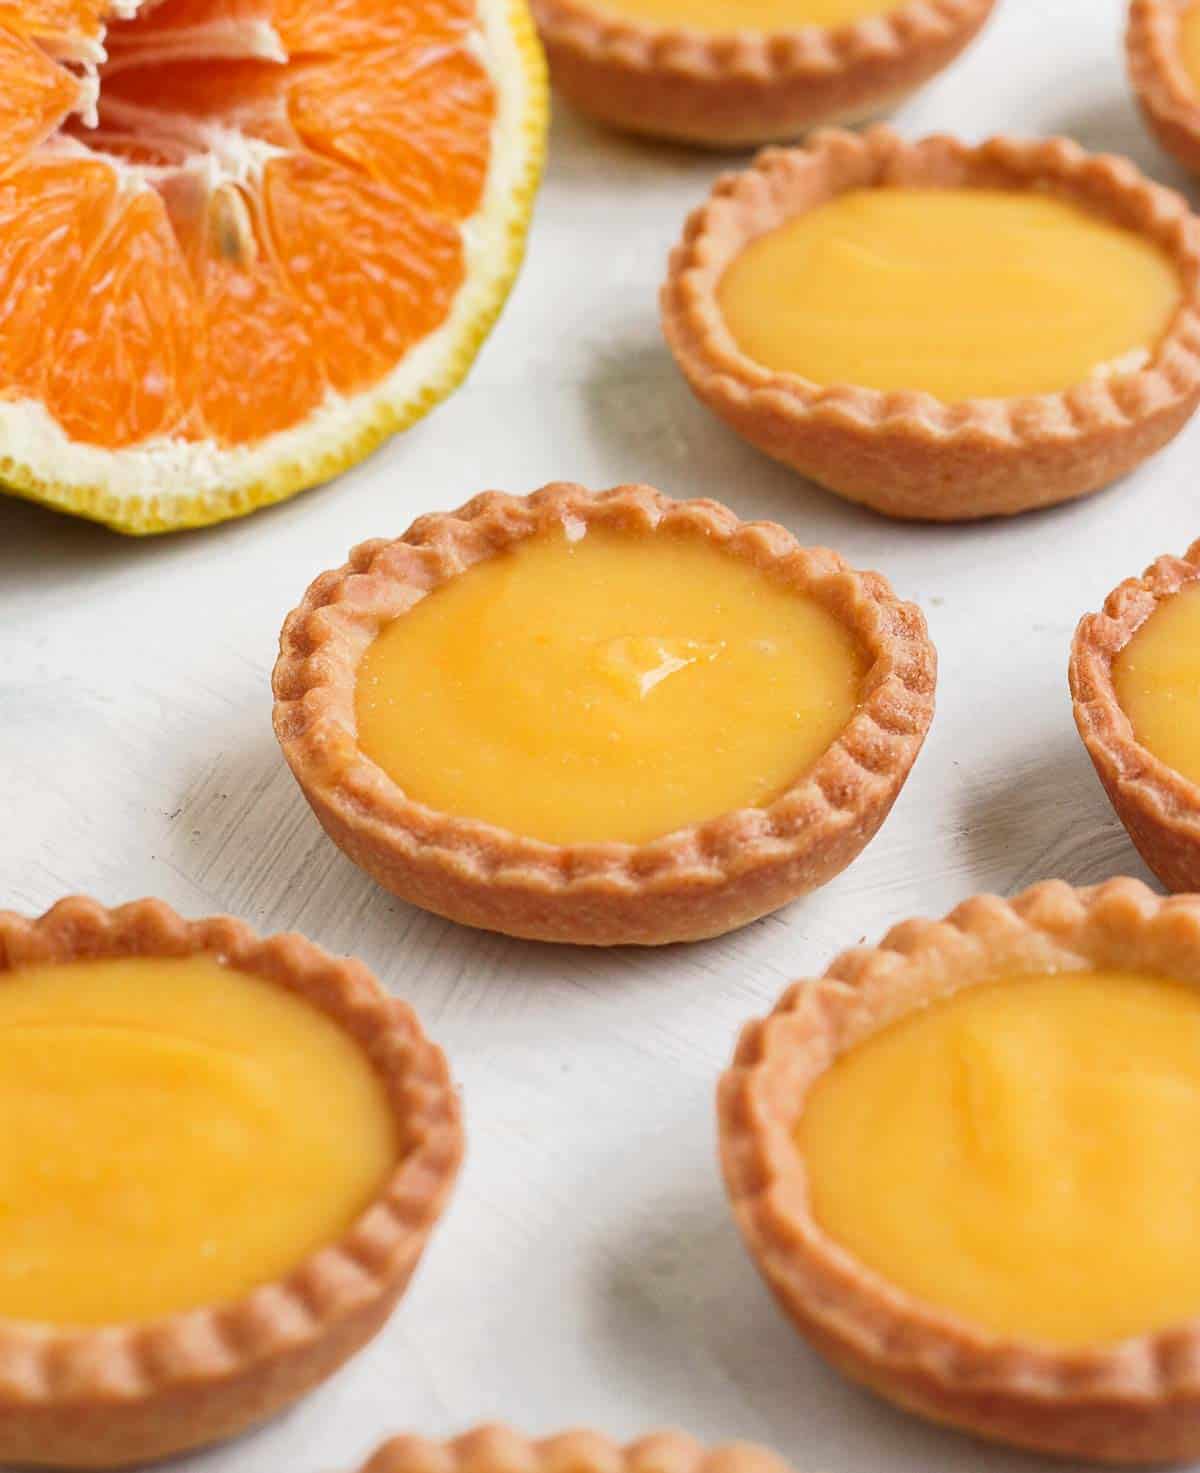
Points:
(1024, 1155)
(1189, 42)
(961, 293)
(749, 15)
(611, 687)
(175, 1134)
(1157, 681)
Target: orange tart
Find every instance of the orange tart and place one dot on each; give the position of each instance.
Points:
(1162, 48)
(1135, 683)
(735, 72)
(939, 330)
(499, 1450)
(601, 718)
(962, 1161)
(249, 1136)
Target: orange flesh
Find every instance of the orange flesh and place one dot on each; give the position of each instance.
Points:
(143, 296)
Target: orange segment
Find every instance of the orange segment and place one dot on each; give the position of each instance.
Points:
(373, 276)
(61, 24)
(49, 215)
(335, 26)
(212, 33)
(304, 28)
(122, 366)
(368, 124)
(185, 15)
(249, 97)
(262, 372)
(35, 95)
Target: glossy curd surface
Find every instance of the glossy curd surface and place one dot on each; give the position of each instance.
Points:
(1023, 1155)
(960, 293)
(175, 1133)
(1157, 682)
(606, 686)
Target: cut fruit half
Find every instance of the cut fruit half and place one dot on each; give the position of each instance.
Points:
(243, 241)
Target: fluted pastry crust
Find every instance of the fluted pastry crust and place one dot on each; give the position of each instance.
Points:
(493, 1449)
(1158, 806)
(747, 87)
(910, 454)
(117, 1396)
(698, 881)
(1135, 1402)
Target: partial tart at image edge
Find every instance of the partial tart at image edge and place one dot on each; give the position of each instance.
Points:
(1158, 805)
(1166, 91)
(126, 1394)
(493, 1448)
(1135, 1400)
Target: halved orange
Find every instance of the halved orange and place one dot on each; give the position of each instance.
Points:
(242, 241)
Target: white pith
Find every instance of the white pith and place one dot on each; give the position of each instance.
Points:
(88, 54)
(159, 472)
(211, 153)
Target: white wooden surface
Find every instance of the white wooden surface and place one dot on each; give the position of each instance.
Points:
(588, 1270)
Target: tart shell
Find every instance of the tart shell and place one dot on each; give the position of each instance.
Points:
(1159, 807)
(493, 1449)
(748, 88)
(696, 882)
(117, 1396)
(1167, 96)
(1134, 1402)
(908, 454)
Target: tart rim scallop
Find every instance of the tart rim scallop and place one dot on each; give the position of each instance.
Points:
(699, 880)
(494, 1448)
(1136, 1401)
(118, 1394)
(1167, 96)
(886, 448)
(1159, 806)
(748, 86)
